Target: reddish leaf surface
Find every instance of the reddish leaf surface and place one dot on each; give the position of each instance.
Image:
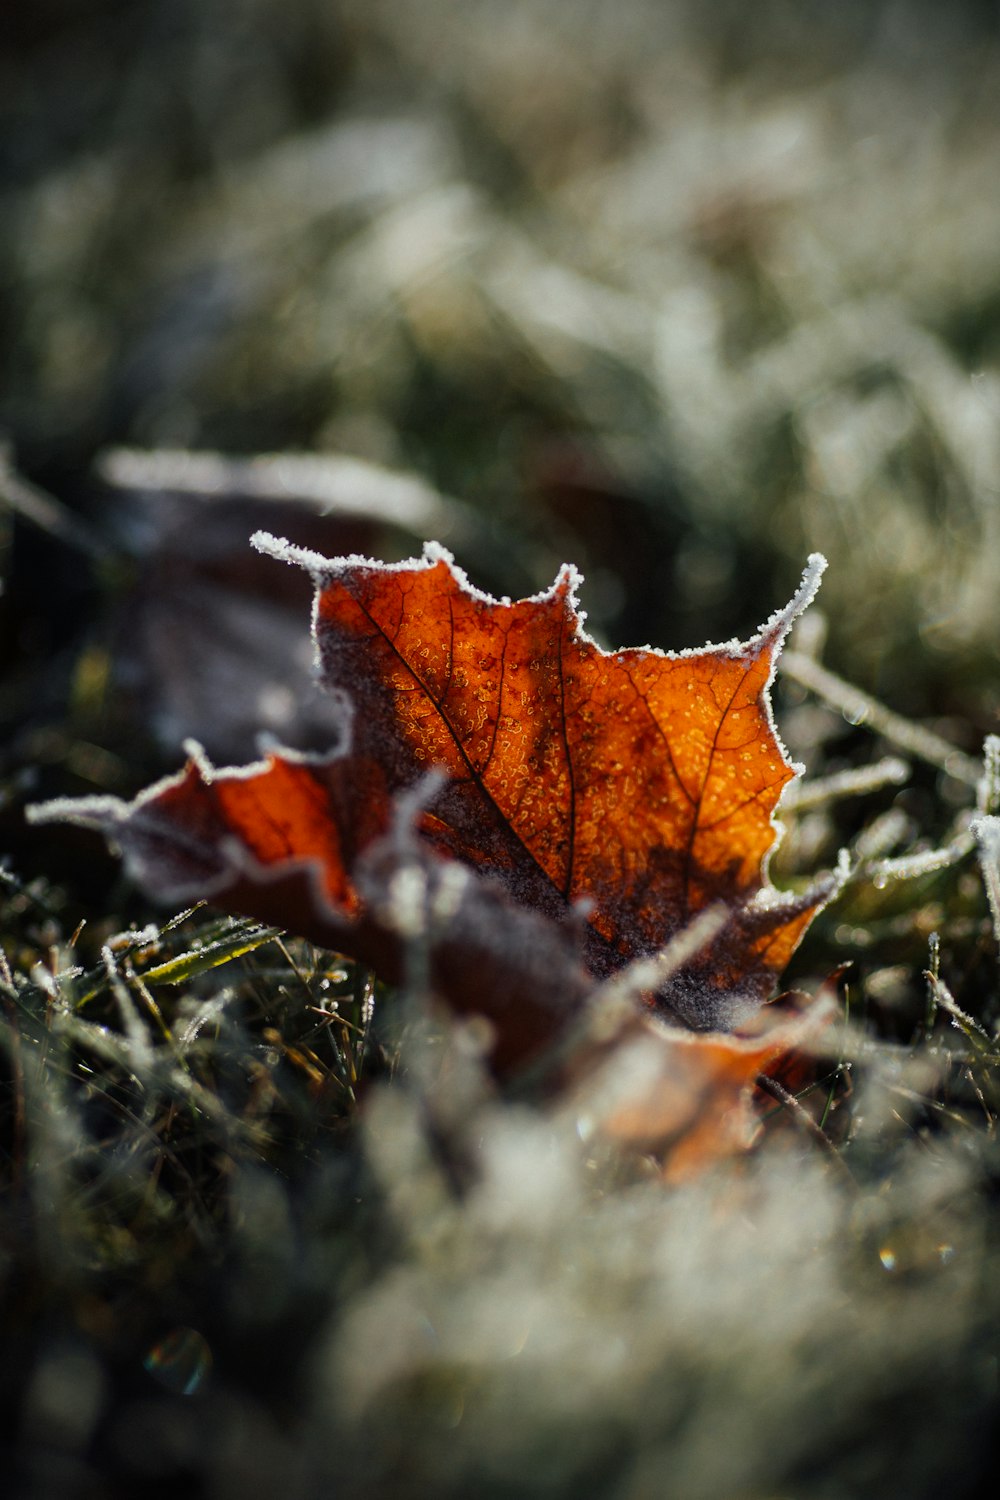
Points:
(588, 804)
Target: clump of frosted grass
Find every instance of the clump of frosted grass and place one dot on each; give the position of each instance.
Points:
(562, 1326)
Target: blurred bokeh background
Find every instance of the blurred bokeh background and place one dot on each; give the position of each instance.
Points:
(677, 290)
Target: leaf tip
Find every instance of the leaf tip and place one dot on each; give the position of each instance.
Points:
(774, 632)
(284, 551)
(101, 813)
(435, 552)
(565, 591)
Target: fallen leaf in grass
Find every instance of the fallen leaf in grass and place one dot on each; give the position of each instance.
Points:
(586, 805)
(635, 785)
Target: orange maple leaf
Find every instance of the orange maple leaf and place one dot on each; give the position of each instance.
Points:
(606, 797)
(636, 785)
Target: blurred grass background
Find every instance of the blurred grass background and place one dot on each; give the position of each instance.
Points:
(678, 291)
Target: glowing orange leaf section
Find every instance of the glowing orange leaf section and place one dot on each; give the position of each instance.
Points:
(635, 785)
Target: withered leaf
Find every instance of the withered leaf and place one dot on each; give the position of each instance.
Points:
(607, 796)
(204, 611)
(683, 1097)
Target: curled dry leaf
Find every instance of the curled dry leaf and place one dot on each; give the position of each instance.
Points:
(204, 611)
(585, 805)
